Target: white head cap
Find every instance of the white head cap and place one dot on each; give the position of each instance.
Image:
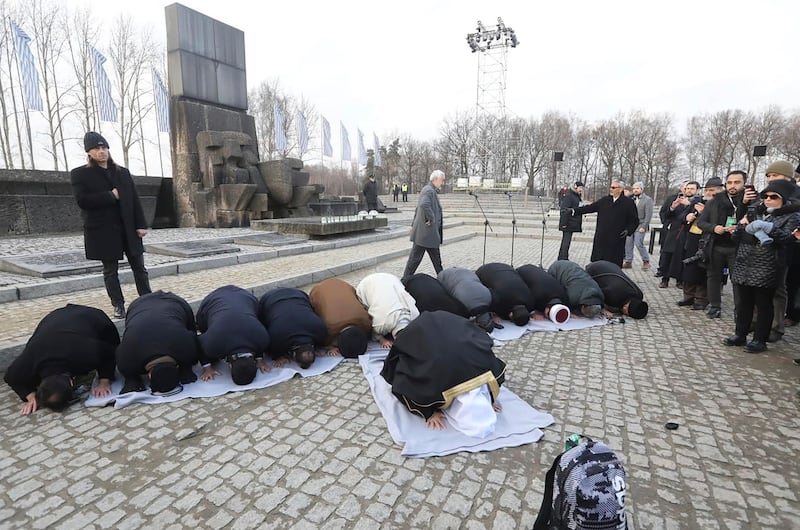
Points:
(472, 413)
(559, 313)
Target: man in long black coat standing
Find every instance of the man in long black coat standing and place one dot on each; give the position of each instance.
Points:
(568, 222)
(113, 219)
(371, 193)
(617, 218)
(160, 341)
(73, 340)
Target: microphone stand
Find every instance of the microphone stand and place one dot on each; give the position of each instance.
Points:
(513, 225)
(545, 215)
(485, 223)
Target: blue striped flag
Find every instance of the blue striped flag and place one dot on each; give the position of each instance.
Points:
(327, 147)
(30, 77)
(377, 149)
(278, 130)
(345, 143)
(105, 103)
(362, 153)
(162, 102)
(302, 132)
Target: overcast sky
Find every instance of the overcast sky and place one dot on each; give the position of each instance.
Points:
(403, 66)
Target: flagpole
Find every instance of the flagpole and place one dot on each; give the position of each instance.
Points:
(24, 104)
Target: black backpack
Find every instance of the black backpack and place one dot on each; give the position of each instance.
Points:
(584, 490)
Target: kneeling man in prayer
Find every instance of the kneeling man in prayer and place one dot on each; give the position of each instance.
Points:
(230, 331)
(295, 330)
(442, 365)
(160, 341)
(73, 340)
(389, 305)
(346, 318)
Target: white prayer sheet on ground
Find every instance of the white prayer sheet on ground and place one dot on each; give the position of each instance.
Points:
(221, 384)
(511, 331)
(517, 424)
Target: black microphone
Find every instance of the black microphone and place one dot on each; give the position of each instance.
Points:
(508, 194)
(472, 193)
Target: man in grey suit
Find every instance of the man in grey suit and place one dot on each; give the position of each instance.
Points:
(426, 228)
(644, 208)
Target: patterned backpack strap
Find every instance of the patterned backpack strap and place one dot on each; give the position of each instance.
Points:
(545, 511)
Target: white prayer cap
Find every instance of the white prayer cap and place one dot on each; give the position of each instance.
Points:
(373, 213)
(472, 413)
(559, 313)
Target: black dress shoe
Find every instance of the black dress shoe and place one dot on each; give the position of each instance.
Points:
(685, 302)
(714, 312)
(774, 336)
(658, 275)
(734, 340)
(663, 284)
(755, 346)
(699, 307)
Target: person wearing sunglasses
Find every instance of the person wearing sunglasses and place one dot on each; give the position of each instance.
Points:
(760, 261)
(617, 218)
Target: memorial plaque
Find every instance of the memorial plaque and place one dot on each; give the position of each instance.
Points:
(191, 249)
(52, 265)
(320, 226)
(270, 239)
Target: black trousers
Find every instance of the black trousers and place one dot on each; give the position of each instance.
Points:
(415, 258)
(721, 257)
(748, 298)
(566, 241)
(111, 278)
(792, 290)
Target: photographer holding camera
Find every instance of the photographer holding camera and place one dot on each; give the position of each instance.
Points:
(718, 220)
(760, 265)
(780, 170)
(695, 291)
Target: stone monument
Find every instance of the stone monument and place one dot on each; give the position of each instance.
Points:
(213, 179)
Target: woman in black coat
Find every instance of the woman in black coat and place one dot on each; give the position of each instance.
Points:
(759, 262)
(113, 219)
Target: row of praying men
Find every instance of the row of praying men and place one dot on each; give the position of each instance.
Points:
(160, 344)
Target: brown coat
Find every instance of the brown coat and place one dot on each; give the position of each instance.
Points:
(336, 303)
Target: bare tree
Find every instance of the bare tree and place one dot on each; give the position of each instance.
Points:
(12, 71)
(45, 18)
(81, 29)
(456, 132)
(132, 51)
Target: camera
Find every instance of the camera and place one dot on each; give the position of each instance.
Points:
(699, 255)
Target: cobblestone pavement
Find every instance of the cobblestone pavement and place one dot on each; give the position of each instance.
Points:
(315, 453)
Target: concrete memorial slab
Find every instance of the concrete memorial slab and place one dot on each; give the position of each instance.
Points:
(320, 226)
(193, 249)
(269, 239)
(51, 265)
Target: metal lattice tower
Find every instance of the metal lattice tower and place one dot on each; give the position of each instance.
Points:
(492, 45)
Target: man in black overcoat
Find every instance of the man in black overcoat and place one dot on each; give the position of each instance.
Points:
(568, 221)
(70, 341)
(620, 293)
(230, 331)
(160, 341)
(295, 330)
(430, 295)
(546, 291)
(617, 218)
(510, 293)
(674, 214)
(437, 358)
(371, 193)
(113, 219)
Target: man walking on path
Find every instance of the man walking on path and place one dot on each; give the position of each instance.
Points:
(426, 228)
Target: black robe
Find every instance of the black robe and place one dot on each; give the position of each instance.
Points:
(436, 353)
(613, 217)
(545, 290)
(290, 320)
(430, 295)
(618, 289)
(157, 324)
(109, 224)
(72, 340)
(508, 289)
(228, 322)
